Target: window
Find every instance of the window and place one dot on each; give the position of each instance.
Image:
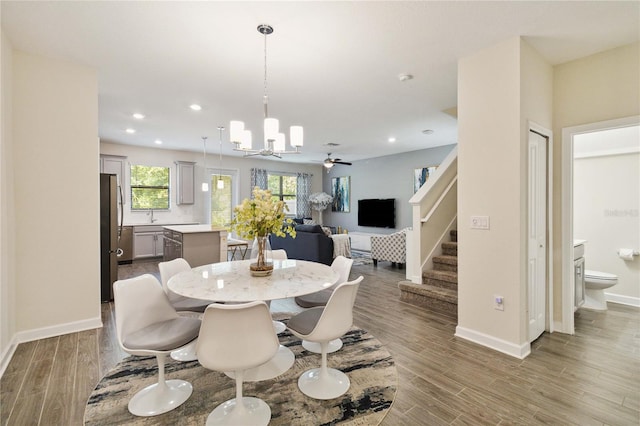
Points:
(149, 188)
(284, 188)
(221, 200)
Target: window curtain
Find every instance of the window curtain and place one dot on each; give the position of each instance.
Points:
(303, 206)
(259, 179)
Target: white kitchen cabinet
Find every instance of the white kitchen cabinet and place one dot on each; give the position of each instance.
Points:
(115, 164)
(185, 180)
(147, 241)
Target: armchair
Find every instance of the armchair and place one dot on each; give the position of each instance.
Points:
(391, 248)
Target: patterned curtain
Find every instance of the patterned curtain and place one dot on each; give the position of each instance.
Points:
(302, 197)
(259, 179)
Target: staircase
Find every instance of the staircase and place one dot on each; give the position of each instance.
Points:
(439, 288)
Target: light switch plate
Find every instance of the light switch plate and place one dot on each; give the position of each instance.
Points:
(479, 222)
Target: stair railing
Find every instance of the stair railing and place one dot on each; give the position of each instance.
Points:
(434, 214)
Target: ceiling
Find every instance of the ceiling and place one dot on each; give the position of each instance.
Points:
(333, 67)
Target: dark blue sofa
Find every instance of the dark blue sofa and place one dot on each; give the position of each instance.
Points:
(310, 243)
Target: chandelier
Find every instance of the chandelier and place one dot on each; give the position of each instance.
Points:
(274, 141)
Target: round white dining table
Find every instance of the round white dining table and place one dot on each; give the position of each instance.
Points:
(232, 282)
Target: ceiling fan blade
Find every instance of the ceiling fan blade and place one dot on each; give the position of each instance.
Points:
(342, 162)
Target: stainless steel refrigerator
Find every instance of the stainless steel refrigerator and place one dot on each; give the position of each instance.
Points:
(110, 230)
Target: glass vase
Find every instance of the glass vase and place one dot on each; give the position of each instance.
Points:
(261, 257)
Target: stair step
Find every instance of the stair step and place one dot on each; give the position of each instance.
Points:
(454, 235)
(435, 298)
(445, 263)
(450, 248)
(441, 284)
(442, 279)
(448, 276)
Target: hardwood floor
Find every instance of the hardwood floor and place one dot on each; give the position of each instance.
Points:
(591, 378)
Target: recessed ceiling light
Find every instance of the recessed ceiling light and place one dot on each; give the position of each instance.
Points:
(158, 142)
(427, 132)
(130, 131)
(138, 116)
(195, 107)
(392, 140)
(405, 77)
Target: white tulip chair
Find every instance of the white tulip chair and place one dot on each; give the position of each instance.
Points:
(323, 325)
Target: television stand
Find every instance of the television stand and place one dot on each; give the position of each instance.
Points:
(361, 240)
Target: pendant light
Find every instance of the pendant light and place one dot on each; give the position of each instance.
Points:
(274, 141)
(220, 183)
(205, 184)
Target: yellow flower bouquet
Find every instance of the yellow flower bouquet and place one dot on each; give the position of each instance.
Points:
(257, 218)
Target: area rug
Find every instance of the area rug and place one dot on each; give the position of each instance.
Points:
(369, 366)
(361, 257)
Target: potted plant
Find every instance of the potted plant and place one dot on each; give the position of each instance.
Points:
(255, 219)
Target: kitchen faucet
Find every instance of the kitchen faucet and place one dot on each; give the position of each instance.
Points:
(151, 213)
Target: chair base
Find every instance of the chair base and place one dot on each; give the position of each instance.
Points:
(315, 347)
(154, 400)
(186, 353)
(281, 362)
(255, 412)
(279, 326)
(318, 386)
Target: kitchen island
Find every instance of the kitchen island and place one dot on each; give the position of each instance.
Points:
(197, 244)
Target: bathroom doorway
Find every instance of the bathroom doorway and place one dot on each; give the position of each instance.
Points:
(571, 137)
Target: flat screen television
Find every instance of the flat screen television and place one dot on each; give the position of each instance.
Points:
(378, 213)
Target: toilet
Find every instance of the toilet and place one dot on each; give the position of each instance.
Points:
(595, 282)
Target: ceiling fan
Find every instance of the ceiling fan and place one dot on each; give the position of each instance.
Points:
(330, 162)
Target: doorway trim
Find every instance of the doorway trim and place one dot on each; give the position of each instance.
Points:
(566, 250)
(235, 189)
(548, 134)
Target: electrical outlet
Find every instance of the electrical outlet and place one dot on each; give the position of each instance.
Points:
(479, 222)
(498, 302)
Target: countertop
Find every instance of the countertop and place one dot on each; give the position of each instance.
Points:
(160, 224)
(193, 229)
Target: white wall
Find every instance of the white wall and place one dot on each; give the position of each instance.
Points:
(606, 202)
(7, 242)
(196, 212)
(55, 155)
(390, 176)
(500, 90)
(600, 87)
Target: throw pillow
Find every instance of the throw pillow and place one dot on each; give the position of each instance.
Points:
(327, 231)
(308, 222)
(315, 229)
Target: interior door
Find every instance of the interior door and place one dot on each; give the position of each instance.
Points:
(537, 235)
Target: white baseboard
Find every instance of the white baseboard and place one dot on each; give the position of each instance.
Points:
(44, 333)
(58, 330)
(623, 300)
(558, 327)
(7, 355)
(517, 351)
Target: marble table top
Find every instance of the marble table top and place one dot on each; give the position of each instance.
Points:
(232, 281)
